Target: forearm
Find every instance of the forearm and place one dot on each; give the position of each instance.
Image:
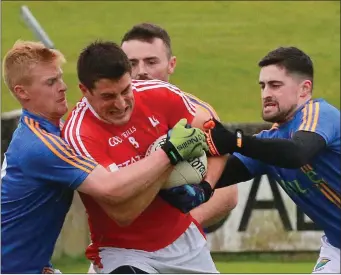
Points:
(215, 167)
(126, 212)
(286, 153)
(235, 171)
(124, 184)
(220, 204)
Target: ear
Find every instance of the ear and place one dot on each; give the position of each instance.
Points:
(306, 88)
(21, 93)
(172, 65)
(84, 89)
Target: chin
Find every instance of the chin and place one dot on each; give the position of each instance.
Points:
(63, 111)
(269, 118)
(121, 121)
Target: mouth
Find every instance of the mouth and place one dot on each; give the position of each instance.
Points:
(118, 114)
(268, 106)
(61, 100)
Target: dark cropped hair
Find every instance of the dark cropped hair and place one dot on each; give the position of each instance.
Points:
(148, 32)
(101, 59)
(292, 59)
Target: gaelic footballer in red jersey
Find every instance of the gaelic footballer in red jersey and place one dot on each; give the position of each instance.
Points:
(149, 50)
(114, 123)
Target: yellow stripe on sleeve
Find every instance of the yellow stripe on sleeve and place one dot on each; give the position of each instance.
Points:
(68, 154)
(310, 116)
(304, 118)
(316, 116)
(48, 145)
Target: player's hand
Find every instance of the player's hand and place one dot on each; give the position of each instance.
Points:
(184, 142)
(188, 196)
(220, 140)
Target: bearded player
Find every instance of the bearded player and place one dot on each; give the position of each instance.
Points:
(301, 151)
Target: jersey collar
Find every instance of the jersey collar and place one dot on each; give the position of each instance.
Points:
(43, 122)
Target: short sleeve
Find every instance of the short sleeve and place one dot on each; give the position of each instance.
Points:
(50, 159)
(321, 118)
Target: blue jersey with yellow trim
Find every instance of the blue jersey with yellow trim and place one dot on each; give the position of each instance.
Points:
(39, 173)
(316, 186)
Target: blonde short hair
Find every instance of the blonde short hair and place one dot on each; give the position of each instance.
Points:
(22, 57)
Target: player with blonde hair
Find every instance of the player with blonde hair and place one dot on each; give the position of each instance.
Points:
(40, 171)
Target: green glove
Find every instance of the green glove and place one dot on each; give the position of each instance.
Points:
(184, 142)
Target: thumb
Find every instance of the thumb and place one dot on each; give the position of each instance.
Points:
(182, 122)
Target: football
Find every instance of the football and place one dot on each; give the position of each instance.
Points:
(190, 171)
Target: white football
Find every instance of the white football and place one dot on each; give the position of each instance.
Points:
(190, 171)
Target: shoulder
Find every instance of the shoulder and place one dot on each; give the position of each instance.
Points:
(155, 86)
(269, 133)
(79, 120)
(33, 142)
(326, 108)
(316, 112)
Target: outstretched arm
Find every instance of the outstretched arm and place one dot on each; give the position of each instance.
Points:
(287, 153)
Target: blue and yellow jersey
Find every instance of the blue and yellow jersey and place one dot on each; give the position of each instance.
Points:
(315, 187)
(201, 104)
(39, 173)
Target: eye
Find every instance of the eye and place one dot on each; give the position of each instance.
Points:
(51, 81)
(152, 62)
(275, 85)
(133, 63)
(107, 97)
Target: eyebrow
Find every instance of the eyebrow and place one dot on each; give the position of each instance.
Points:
(59, 75)
(270, 82)
(110, 94)
(146, 58)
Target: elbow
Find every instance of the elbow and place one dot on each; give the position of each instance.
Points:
(122, 219)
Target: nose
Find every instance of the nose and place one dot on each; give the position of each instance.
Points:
(266, 92)
(120, 103)
(63, 86)
(142, 70)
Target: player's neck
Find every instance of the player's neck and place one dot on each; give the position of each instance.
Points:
(292, 114)
(52, 119)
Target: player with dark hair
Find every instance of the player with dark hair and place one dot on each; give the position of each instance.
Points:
(40, 170)
(148, 47)
(301, 151)
(115, 123)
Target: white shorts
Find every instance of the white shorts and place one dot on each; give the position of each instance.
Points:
(188, 254)
(329, 258)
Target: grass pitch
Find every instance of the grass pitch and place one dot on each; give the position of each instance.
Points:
(81, 265)
(218, 44)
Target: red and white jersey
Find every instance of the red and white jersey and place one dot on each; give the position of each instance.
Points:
(158, 107)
